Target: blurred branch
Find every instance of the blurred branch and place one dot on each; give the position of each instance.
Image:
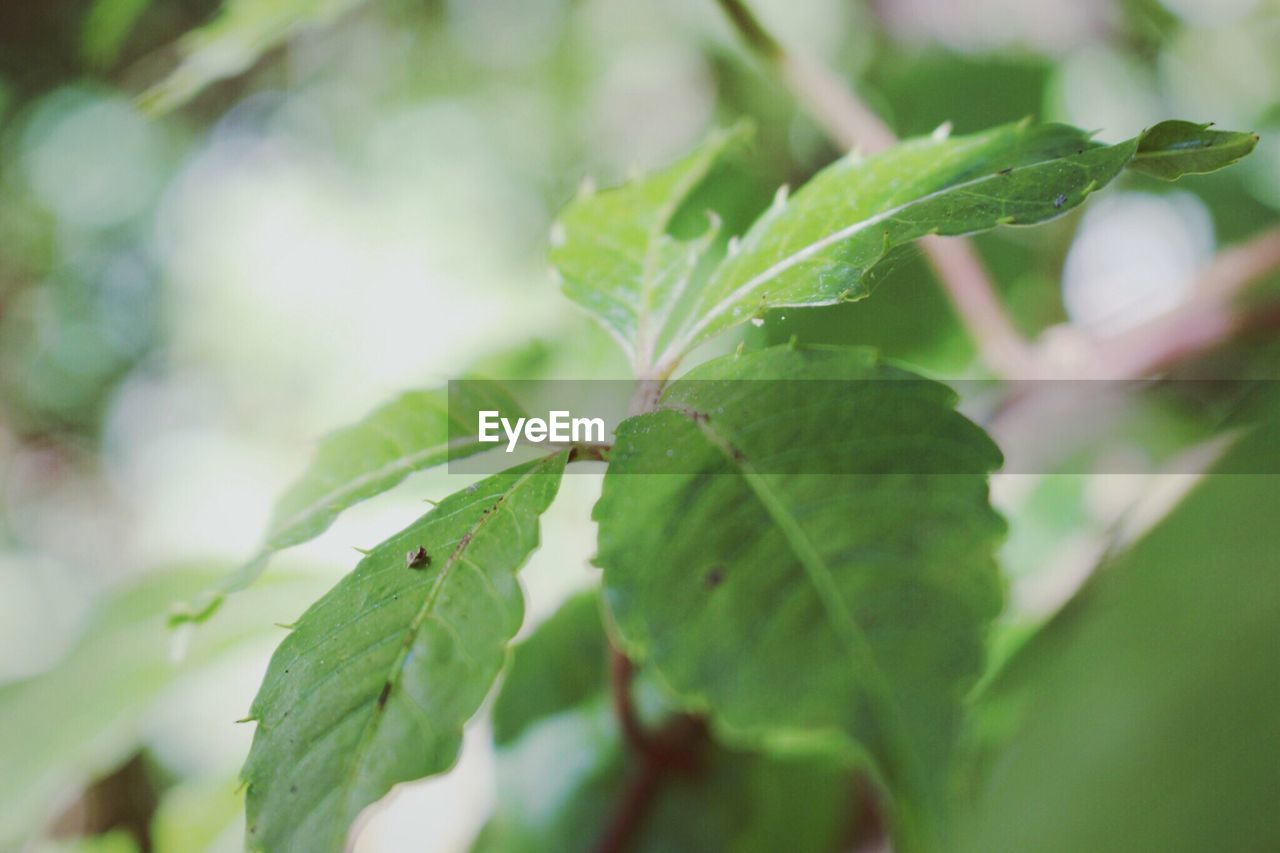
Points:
(1208, 318)
(621, 671)
(849, 122)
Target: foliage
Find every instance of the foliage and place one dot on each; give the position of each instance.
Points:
(725, 524)
(800, 634)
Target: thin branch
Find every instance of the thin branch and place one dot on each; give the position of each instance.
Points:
(851, 124)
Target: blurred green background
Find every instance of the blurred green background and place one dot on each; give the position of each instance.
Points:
(225, 231)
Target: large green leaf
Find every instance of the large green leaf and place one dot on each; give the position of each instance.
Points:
(375, 682)
(836, 609)
(817, 248)
(1146, 715)
(84, 716)
(563, 770)
(617, 260)
(411, 433)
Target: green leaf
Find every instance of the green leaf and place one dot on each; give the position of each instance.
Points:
(1172, 149)
(617, 260)
(411, 433)
(1145, 715)
(107, 25)
(837, 610)
(374, 684)
(563, 770)
(84, 716)
(817, 248)
(233, 41)
(561, 665)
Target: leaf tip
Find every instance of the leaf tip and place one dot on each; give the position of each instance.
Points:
(194, 612)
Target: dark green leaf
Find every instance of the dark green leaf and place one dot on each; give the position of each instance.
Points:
(561, 665)
(1146, 715)
(826, 610)
(375, 682)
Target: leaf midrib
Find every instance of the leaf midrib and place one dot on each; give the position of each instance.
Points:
(821, 579)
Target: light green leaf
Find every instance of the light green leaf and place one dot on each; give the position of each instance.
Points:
(411, 433)
(375, 682)
(233, 41)
(841, 610)
(84, 716)
(561, 665)
(617, 260)
(817, 248)
(1172, 149)
(1146, 715)
(563, 771)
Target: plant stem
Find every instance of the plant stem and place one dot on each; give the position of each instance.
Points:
(673, 748)
(851, 124)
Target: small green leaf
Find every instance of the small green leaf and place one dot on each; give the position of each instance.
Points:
(617, 260)
(241, 32)
(411, 433)
(817, 248)
(1172, 149)
(561, 665)
(839, 610)
(374, 684)
(1146, 714)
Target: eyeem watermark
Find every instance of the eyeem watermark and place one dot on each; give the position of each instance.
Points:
(559, 427)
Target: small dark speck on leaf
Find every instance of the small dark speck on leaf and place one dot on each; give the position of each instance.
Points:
(1059, 201)
(418, 558)
(1008, 171)
(714, 577)
(382, 697)
(293, 789)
